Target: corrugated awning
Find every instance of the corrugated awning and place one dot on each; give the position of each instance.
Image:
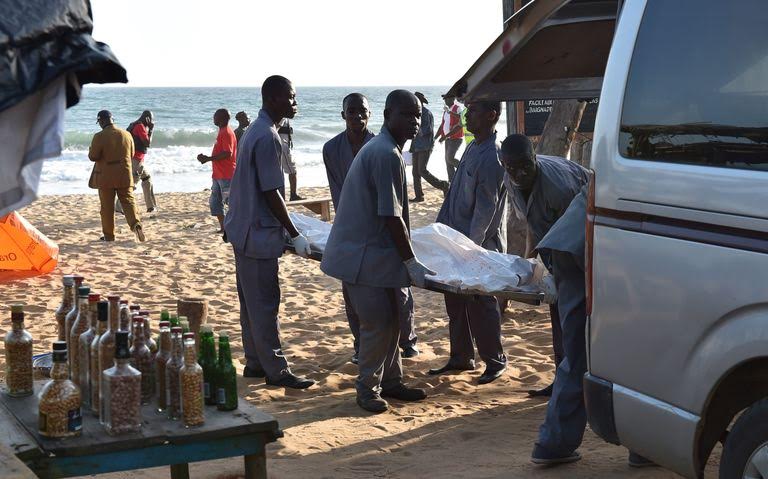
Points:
(550, 49)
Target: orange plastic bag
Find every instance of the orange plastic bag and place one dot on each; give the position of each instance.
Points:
(24, 248)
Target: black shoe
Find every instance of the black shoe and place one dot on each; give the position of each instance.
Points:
(296, 198)
(636, 460)
(292, 381)
(491, 375)
(410, 352)
(372, 402)
(404, 393)
(355, 358)
(545, 392)
(254, 373)
(418, 199)
(545, 457)
(450, 367)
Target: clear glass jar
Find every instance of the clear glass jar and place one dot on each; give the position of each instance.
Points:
(172, 379)
(68, 281)
(161, 359)
(18, 355)
(59, 413)
(148, 340)
(107, 345)
(78, 327)
(121, 398)
(93, 369)
(192, 402)
(141, 359)
(69, 320)
(84, 350)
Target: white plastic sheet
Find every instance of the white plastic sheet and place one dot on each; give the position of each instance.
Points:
(456, 259)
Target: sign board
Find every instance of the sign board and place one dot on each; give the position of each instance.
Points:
(537, 112)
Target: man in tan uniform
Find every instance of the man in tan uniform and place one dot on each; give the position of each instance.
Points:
(111, 151)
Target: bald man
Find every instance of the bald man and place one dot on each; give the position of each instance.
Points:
(223, 165)
(369, 250)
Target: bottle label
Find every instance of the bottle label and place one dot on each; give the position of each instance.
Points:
(221, 396)
(207, 390)
(75, 420)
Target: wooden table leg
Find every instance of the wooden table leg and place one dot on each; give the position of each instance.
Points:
(325, 211)
(256, 466)
(180, 471)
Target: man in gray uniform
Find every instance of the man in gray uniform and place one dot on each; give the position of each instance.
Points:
(338, 154)
(369, 249)
(476, 207)
(541, 187)
(255, 225)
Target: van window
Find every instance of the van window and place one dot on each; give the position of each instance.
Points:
(697, 90)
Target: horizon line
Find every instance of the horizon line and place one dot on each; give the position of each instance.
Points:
(123, 85)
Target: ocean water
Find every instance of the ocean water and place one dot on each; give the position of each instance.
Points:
(184, 128)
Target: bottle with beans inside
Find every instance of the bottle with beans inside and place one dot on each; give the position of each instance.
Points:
(172, 380)
(78, 328)
(84, 349)
(18, 355)
(121, 397)
(68, 281)
(125, 316)
(161, 358)
(192, 402)
(133, 312)
(107, 346)
(71, 316)
(207, 361)
(226, 377)
(59, 413)
(141, 359)
(94, 371)
(151, 344)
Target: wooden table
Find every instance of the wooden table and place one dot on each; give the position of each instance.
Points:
(321, 206)
(242, 432)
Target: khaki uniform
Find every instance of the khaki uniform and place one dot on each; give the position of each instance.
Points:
(111, 151)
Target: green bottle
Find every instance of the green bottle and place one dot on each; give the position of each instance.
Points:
(174, 321)
(207, 360)
(226, 377)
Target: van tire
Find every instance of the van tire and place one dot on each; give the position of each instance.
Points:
(749, 433)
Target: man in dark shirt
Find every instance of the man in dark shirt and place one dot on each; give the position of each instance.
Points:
(421, 149)
(242, 124)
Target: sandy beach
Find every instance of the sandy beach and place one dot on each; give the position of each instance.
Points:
(462, 430)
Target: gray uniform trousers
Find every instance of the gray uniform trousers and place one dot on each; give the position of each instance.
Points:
(563, 428)
(379, 361)
(258, 288)
(451, 162)
(405, 306)
(478, 318)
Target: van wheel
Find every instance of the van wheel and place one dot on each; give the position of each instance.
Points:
(745, 454)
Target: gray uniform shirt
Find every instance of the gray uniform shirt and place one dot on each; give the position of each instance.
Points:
(337, 156)
(425, 138)
(568, 234)
(557, 182)
(250, 225)
(476, 202)
(360, 249)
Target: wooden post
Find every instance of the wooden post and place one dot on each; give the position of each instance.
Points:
(196, 311)
(561, 127)
(515, 109)
(256, 466)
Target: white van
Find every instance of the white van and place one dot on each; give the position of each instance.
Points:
(677, 243)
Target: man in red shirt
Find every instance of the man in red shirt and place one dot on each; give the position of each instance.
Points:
(452, 133)
(223, 162)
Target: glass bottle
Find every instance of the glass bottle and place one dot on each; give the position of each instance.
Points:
(125, 316)
(207, 361)
(226, 377)
(18, 355)
(133, 311)
(107, 346)
(165, 315)
(161, 358)
(172, 380)
(148, 340)
(71, 316)
(78, 327)
(59, 413)
(121, 398)
(94, 372)
(191, 374)
(84, 350)
(68, 281)
(141, 359)
(174, 320)
(184, 323)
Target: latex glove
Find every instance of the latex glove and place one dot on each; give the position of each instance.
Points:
(547, 286)
(301, 245)
(418, 272)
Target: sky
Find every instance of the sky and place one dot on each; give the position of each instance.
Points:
(312, 42)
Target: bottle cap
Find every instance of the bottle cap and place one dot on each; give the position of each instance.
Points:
(68, 280)
(59, 346)
(83, 291)
(93, 297)
(165, 324)
(176, 330)
(121, 345)
(205, 329)
(17, 308)
(134, 307)
(138, 319)
(113, 297)
(123, 301)
(144, 312)
(182, 318)
(59, 351)
(174, 316)
(103, 309)
(224, 335)
(78, 278)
